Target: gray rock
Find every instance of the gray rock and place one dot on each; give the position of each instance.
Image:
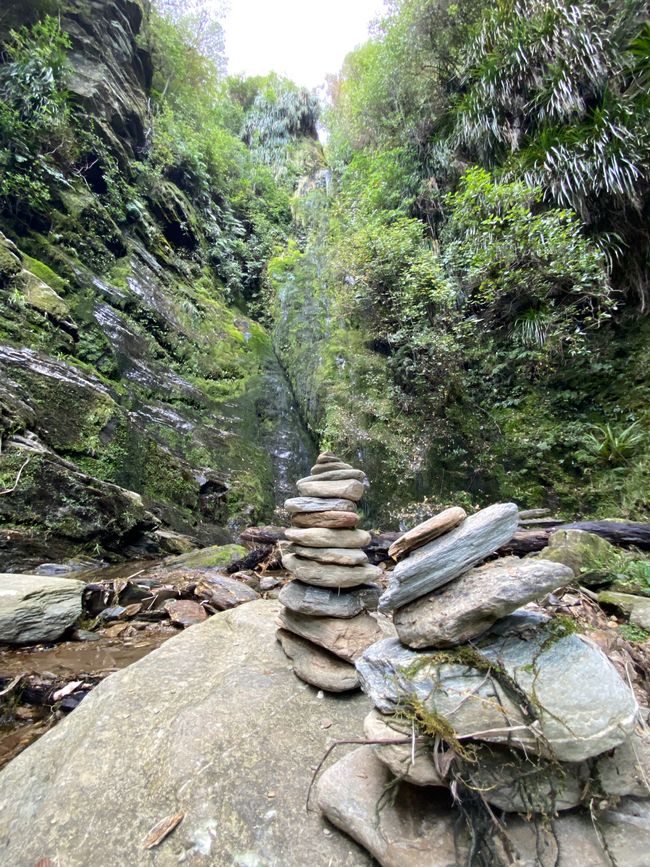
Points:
(335, 476)
(297, 505)
(326, 575)
(507, 779)
(584, 708)
(329, 466)
(447, 557)
(350, 489)
(579, 550)
(223, 593)
(345, 638)
(315, 537)
(37, 608)
(413, 830)
(323, 602)
(426, 532)
(468, 606)
(420, 828)
(626, 770)
(337, 556)
(316, 666)
(637, 608)
(213, 724)
(326, 520)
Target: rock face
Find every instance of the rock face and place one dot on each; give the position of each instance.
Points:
(345, 638)
(316, 666)
(468, 606)
(241, 778)
(419, 827)
(327, 575)
(323, 602)
(583, 706)
(36, 608)
(426, 532)
(322, 538)
(449, 556)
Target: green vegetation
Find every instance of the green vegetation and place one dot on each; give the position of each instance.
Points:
(481, 259)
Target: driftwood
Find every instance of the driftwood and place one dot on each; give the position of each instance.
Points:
(263, 535)
(626, 534)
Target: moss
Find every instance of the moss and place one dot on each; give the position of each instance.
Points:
(46, 274)
(9, 265)
(209, 558)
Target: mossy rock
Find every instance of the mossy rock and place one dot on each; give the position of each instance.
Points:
(42, 297)
(593, 559)
(209, 558)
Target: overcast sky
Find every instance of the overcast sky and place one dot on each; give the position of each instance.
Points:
(303, 39)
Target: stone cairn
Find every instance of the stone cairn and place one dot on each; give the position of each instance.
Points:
(324, 621)
(507, 707)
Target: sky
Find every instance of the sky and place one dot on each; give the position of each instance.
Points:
(302, 39)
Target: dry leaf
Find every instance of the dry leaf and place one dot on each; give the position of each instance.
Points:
(45, 862)
(162, 829)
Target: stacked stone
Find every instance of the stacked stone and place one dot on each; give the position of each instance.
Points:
(519, 707)
(325, 625)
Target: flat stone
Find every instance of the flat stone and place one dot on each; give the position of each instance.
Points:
(326, 520)
(426, 531)
(329, 575)
(316, 666)
(37, 608)
(322, 602)
(338, 556)
(419, 827)
(345, 638)
(329, 466)
(349, 489)
(318, 538)
(297, 505)
(626, 769)
(468, 606)
(213, 724)
(184, 612)
(335, 476)
(637, 608)
(447, 557)
(584, 707)
(223, 593)
(327, 458)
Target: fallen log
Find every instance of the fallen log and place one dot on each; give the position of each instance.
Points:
(625, 534)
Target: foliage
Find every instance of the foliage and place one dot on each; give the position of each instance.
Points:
(199, 22)
(615, 445)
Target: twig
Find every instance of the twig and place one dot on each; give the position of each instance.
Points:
(15, 484)
(13, 683)
(359, 742)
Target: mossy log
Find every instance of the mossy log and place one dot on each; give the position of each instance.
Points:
(625, 534)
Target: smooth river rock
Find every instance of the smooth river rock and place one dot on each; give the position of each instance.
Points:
(297, 505)
(37, 608)
(329, 575)
(326, 520)
(329, 466)
(322, 602)
(335, 476)
(338, 556)
(212, 724)
(421, 828)
(316, 666)
(426, 532)
(345, 638)
(584, 707)
(317, 538)
(349, 489)
(468, 606)
(447, 557)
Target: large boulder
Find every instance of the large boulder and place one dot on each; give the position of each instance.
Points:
(529, 683)
(213, 725)
(468, 606)
(37, 608)
(448, 556)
